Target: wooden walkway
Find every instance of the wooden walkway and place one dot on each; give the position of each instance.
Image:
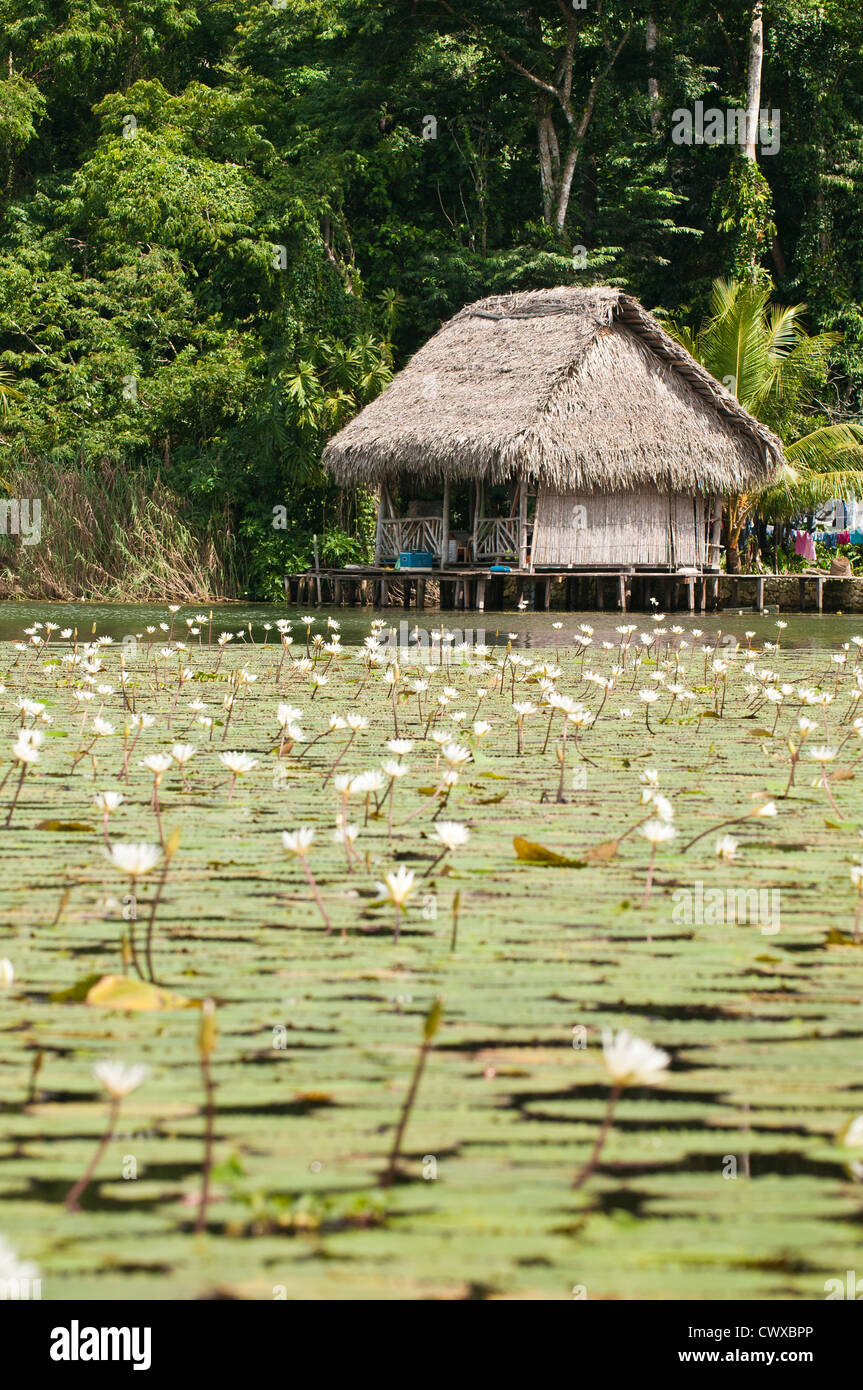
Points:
(472, 588)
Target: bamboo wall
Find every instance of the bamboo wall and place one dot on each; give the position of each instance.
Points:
(644, 527)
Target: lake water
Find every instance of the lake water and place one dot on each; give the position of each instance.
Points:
(118, 620)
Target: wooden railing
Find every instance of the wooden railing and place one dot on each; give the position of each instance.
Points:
(497, 538)
(411, 533)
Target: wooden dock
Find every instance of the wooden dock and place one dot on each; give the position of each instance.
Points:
(473, 588)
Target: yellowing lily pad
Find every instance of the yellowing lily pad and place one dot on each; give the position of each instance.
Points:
(123, 992)
(539, 854)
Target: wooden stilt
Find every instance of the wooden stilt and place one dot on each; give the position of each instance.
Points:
(480, 595)
(621, 592)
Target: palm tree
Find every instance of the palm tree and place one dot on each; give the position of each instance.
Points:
(765, 357)
(7, 392)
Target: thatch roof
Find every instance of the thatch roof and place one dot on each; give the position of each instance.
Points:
(576, 388)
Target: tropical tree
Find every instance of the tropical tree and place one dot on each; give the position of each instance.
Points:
(762, 353)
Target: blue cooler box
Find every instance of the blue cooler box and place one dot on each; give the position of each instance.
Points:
(415, 560)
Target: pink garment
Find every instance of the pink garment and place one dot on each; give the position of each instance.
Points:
(843, 537)
(804, 545)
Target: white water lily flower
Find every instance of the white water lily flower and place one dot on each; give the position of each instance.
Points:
(455, 755)
(29, 706)
(298, 842)
(726, 848)
(400, 746)
(656, 832)
(24, 750)
(238, 763)
(357, 723)
(287, 714)
(852, 1135)
(367, 782)
(7, 972)
(766, 812)
(182, 752)
(397, 886)
(452, 834)
(135, 859)
(632, 1061)
(11, 1268)
(102, 727)
(393, 768)
(820, 753)
(663, 807)
(157, 763)
(106, 802)
(120, 1080)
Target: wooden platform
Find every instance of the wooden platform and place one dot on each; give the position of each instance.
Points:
(472, 588)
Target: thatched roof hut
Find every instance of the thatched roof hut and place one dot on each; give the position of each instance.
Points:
(579, 394)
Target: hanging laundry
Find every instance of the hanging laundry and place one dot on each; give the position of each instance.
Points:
(804, 545)
(843, 537)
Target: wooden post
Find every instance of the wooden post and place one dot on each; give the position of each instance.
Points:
(759, 593)
(444, 541)
(477, 503)
(317, 569)
(480, 594)
(715, 546)
(820, 587)
(522, 524)
(802, 587)
(379, 530)
(600, 593)
(621, 592)
(421, 593)
(690, 586)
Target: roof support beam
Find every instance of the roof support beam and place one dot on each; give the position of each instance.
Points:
(444, 540)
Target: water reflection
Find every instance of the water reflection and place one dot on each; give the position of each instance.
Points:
(256, 622)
